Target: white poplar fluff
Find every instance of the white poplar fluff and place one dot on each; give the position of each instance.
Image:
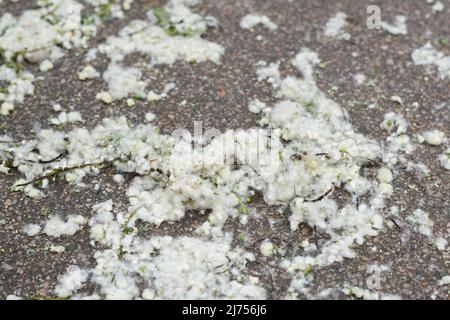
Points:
(313, 150)
(88, 72)
(432, 137)
(421, 223)
(172, 181)
(37, 36)
(445, 281)
(32, 229)
(71, 281)
(44, 35)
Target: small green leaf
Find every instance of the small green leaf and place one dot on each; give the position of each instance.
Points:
(105, 9)
(16, 66)
(127, 230)
(308, 270)
(310, 107)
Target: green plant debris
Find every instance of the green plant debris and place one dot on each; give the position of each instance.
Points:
(243, 209)
(311, 107)
(165, 22)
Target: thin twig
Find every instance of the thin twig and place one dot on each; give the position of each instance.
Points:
(322, 196)
(58, 171)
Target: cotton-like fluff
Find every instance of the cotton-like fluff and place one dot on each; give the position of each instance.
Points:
(432, 137)
(66, 117)
(124, 81)
(334, 27)
(37, 36)
(444, 159)
(256, 106)
(32, 229)
(421, 222)
(444, 281)
(251, 20)
(71, 281)
(187, 268)
(314, 124)
(174, 268)
(428, 55)
(394, 123)
(305, 61)
(163, 49)
(56, 226)
(399, 27)
(267, 248)
(168, 34)
(398, 142)
(88, 72)
(306, 150)
(19, 86)
(146, 36)
(43, 35)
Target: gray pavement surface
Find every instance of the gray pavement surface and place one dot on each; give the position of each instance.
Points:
(218, 95)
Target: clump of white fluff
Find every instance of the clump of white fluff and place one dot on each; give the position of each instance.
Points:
(88, 72)
(428, 55)
(305, 61)
(66, 117)
(444, 281)
(71, 281)
(39, 36)
(256, 106)
(334, 27)
(394, 123)
(175, 268)
(55, 226)
(445, 159)
(267, 248)
(399, 27)
(124, 81)
(421, 222)
(149, 38)
(306, 151)
(433, 137)
(251, 20)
